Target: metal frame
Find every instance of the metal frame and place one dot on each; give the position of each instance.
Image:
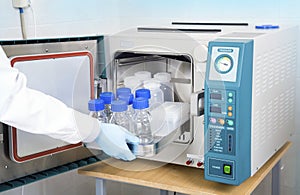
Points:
(11, 170)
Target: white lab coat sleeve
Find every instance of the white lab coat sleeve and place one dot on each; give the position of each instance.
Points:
(35, 112)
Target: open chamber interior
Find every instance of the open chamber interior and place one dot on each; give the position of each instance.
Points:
(170, 122)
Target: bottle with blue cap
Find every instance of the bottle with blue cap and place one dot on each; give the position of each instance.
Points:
(107, 97)
(141, 120)
(128, 98)
(96, 108)
(119, 117)
(123, 91)
(145, 93)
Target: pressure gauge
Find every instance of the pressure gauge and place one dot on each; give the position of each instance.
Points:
(223, 64)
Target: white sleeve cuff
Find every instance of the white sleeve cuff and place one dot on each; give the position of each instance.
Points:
(88, 127)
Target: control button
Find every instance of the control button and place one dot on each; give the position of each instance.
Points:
(229, 108)
(229, 114)
(230, 100)
(230, 94)
(230, 122)
(227, 169)
(221, 121)
(189, 162)
(213, 120)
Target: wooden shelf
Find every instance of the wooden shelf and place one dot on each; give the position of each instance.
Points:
(176, 178)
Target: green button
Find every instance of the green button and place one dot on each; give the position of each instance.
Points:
(230, 122)
(230, 100)
(230, 94)
(227, 169)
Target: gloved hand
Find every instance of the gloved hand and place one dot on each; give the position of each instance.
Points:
(112, 140)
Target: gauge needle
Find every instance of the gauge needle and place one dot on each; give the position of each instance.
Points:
(224, 64)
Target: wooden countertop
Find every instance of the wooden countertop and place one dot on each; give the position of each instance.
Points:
(172, 177)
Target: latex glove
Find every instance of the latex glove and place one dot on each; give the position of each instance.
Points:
(112, 140)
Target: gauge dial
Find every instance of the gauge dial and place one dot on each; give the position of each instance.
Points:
(223, 64)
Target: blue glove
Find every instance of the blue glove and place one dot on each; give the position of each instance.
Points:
(112, 140)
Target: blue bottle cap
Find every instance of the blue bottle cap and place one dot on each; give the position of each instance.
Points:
(128, 98)
(123, 90)
(267, 26)
(96, 105)
(145, 93)
(107, 97)
(140, 103)
(118, 106)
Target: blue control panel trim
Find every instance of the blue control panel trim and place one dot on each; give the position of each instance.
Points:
(228, 113)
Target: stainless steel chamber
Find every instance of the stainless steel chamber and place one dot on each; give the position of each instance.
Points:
(184, 57)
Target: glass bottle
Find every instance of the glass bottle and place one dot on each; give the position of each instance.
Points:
(123, 91)
(107, 97)
(128, 98)
(145, 93)
(119, 117)
(141, 120)
(96, 108)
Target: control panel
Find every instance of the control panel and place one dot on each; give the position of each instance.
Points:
(227, 99)
(221, 114)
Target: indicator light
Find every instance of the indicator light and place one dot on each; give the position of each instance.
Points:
(221, 121)
(230, 122)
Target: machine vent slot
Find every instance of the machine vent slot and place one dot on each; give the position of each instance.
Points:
(277, 114)
(176, 30)
(273, 69)
(274, 92)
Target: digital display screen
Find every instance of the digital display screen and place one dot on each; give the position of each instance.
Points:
(215, 109)
(216, 96)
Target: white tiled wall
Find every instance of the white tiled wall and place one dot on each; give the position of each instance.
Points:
(58, 18)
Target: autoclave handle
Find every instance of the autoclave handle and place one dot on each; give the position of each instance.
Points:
(197, 103)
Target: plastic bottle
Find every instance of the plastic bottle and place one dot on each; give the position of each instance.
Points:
(96, 108)
(157, 95)
(119, 117)
(133, 83)
(141, 120)
(143, 75)
(166, 86)
(107, 97)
